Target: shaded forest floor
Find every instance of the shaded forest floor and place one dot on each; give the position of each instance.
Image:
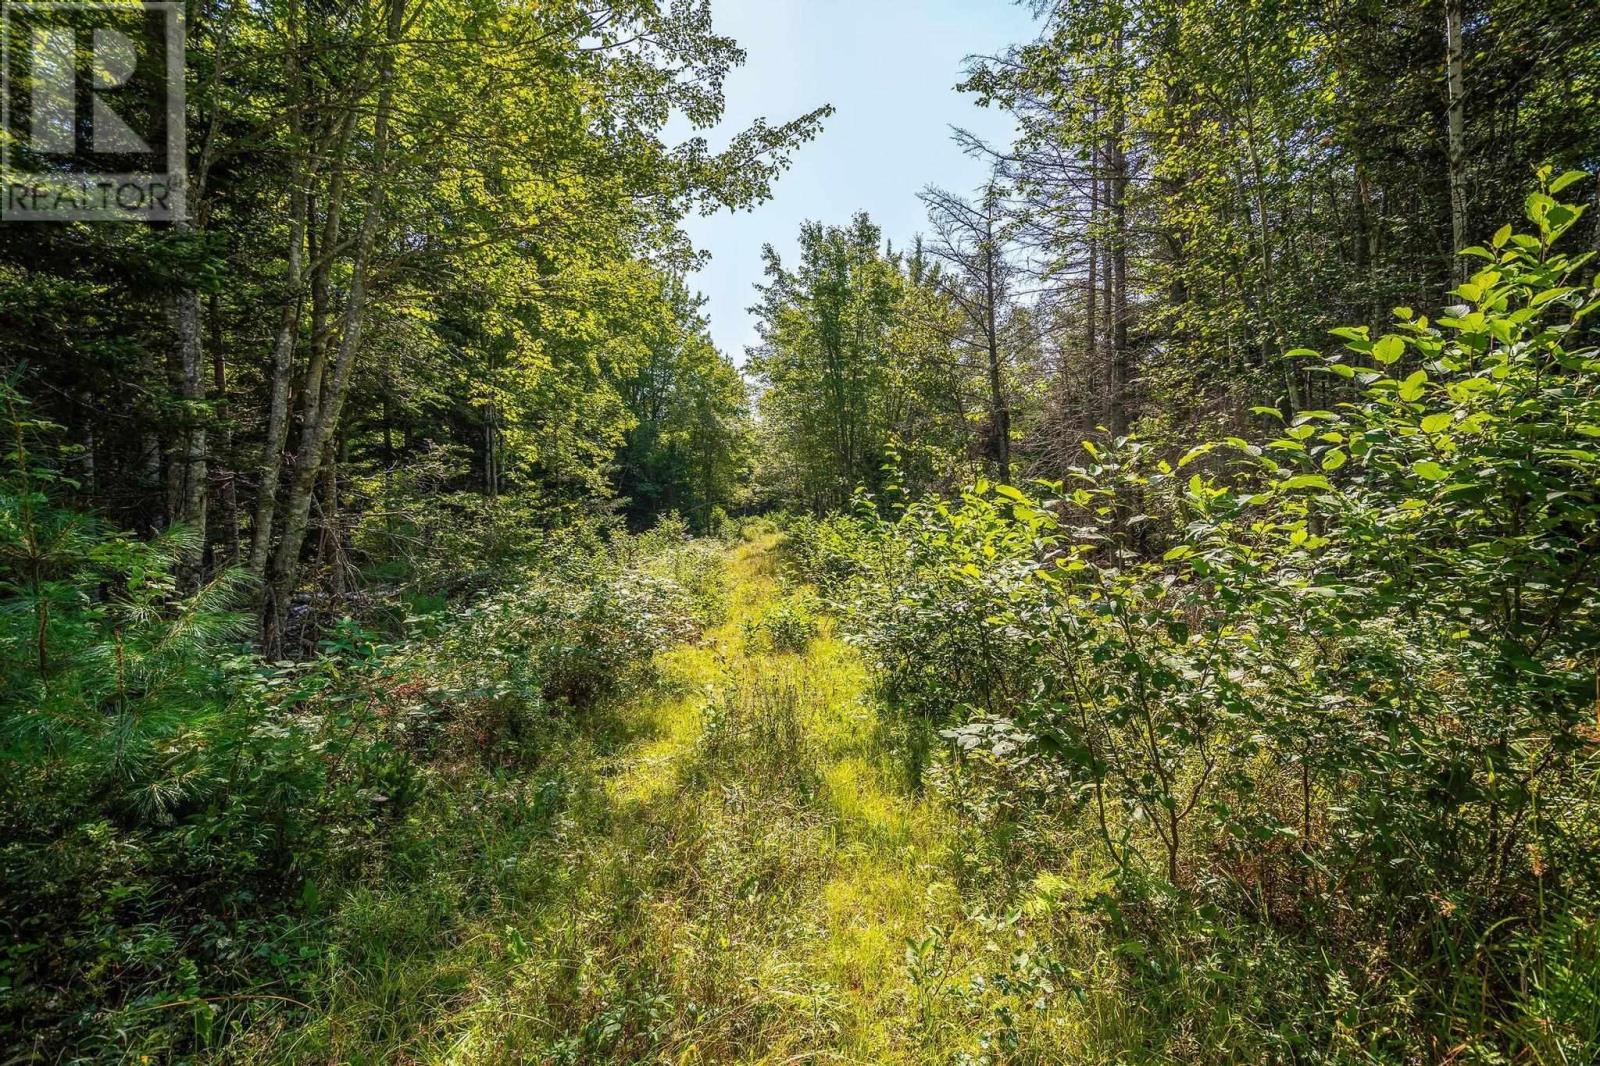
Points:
(730, 868)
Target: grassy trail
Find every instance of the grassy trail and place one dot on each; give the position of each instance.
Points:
(730, 874)
(775, 863)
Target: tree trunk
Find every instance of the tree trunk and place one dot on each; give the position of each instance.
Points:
(1091, 328)
(491, 468)
(188, 494)
(388, 469)
(186, 469)
(319, 430)
(283, 343)
(1456, 136)
(1269, 295)
(999, 414)
(1117, 287)
(278, 393)
(219, 387)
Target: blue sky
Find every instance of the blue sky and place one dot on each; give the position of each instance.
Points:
(889, 67)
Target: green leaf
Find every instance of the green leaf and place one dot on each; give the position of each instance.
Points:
(1334, 460)
(1437, 423)
(1567, 179)
(1413, 386)
(1501, 236)
(1429, 470)
(1544, 297)
(1305, 481)
(1388, 348)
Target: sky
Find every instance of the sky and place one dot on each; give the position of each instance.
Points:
(889, 68)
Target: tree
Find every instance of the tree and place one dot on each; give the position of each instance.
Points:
(1456, 133)
(475, 187)
(974, 240)
(688, 447)
(824, 361)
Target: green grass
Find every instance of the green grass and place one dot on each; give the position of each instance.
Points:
(729, 868)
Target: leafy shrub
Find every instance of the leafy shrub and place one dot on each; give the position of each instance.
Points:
(788, 625)
(753, 529)
(694, 565)
(1337, 680)
(180, 820)
(831, 552)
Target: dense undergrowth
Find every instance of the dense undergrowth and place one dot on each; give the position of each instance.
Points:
(1301, 729)
(190, 833)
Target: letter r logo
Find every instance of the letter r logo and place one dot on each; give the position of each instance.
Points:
(92, 124)
(55, 78)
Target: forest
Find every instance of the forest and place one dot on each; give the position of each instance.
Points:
(1149, 615)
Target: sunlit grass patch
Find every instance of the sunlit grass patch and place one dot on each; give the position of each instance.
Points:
(650, 766)
(727, 868)
(864, 810)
